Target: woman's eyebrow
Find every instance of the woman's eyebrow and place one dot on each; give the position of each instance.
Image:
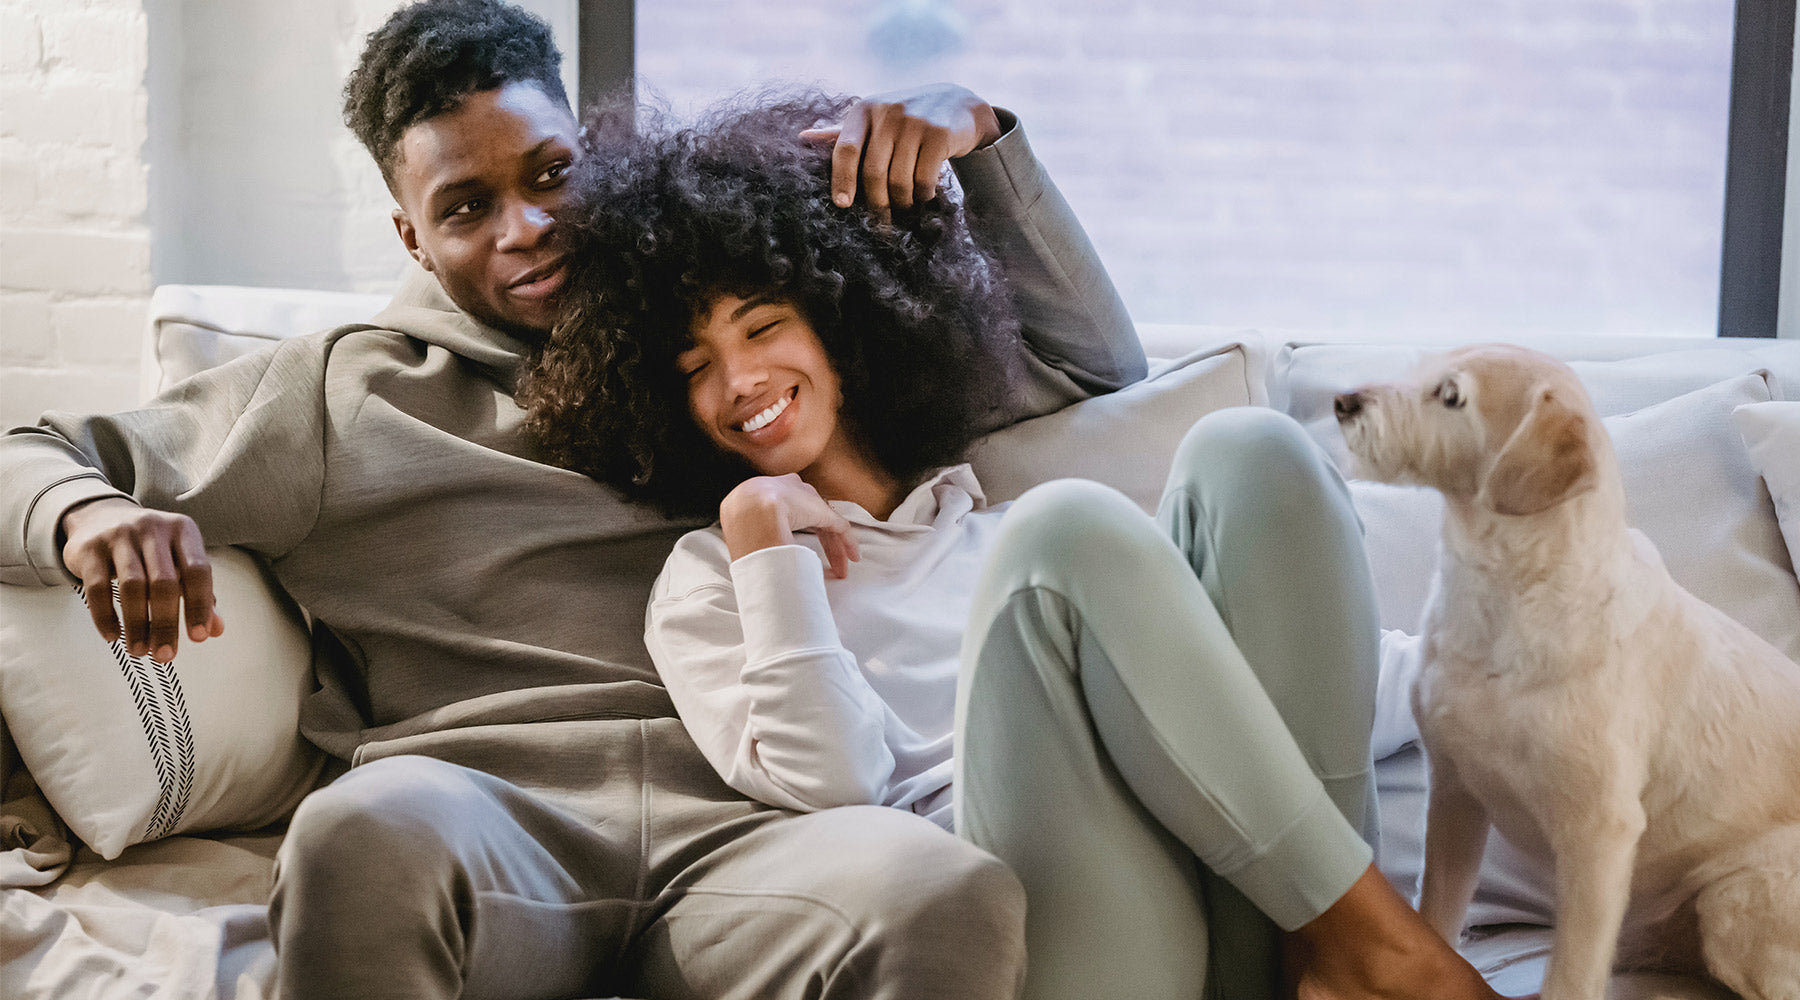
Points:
(759, 299)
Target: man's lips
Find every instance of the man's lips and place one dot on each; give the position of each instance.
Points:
(539, 282)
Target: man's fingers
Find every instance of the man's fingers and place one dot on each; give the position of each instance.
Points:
(162, 588)
(933, 154)
(821, 136)
(129, 579)
(196, 583)
(906, 157)
(97, 591)
(846, 156)
(877, 155)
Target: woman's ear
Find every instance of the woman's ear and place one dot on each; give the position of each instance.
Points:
(1545, 461)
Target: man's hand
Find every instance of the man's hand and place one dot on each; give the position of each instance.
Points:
(896, 144)
(764, 512)
(159, 561)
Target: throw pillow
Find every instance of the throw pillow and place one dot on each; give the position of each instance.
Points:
(127, 749)
(1124, 439)
(1771, 433)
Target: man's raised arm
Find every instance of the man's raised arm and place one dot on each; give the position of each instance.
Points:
(891, 147)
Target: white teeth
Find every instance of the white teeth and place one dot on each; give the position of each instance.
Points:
(762, 419)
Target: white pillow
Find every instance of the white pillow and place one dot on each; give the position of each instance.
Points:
(1771, 433)
(127, 749)
(1126, 439)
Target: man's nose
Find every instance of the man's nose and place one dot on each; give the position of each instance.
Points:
(526, 226)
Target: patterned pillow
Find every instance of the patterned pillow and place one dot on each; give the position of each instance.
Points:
(127, 749)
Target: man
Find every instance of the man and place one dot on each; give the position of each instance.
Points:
(525, 816)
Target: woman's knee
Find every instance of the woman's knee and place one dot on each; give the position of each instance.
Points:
(1072, 526)
(1252, 455)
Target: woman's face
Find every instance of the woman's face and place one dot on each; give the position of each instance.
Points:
(761, 386)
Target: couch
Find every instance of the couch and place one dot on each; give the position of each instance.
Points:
(136, 836)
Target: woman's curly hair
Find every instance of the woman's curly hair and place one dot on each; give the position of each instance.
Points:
(915, 318)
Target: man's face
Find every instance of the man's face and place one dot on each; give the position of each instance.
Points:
(478, 189)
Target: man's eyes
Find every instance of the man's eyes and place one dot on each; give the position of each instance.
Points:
(555, 173)
(463, 209)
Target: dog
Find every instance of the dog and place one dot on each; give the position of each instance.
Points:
(1573, 696)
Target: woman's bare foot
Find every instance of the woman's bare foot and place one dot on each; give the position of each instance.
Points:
(1371, 944)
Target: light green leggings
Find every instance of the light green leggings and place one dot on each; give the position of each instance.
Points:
(1162, 725)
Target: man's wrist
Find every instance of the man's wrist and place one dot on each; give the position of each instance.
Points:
(75, 512)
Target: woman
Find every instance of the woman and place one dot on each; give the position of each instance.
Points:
(1060, 682)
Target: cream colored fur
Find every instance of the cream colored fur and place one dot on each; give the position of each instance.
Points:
(1576, 698)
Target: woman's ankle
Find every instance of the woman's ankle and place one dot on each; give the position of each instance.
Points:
(1371, 943)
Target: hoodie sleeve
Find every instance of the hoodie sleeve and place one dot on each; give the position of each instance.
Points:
(239, 448)
(750, 654)
(1081, 339)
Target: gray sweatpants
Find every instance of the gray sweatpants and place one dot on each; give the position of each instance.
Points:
(627, 868)
(1163, 725)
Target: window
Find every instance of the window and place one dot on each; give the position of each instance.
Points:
(1406, 167)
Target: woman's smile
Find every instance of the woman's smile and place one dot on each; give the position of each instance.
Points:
(763, 419)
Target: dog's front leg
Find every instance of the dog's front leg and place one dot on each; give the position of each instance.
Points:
(1593, 884)
(1456, 829)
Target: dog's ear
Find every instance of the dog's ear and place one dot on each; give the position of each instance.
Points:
(1546, 461)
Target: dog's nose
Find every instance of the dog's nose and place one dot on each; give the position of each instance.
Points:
(1347, 405)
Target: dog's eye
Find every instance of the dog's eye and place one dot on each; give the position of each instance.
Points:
(1446, 393)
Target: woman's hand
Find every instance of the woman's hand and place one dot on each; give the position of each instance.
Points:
(766, 511)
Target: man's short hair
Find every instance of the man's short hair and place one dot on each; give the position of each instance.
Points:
(431, 55)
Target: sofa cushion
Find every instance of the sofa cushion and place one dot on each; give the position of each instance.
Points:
(1771, 433)
(196, 327)
(1125, 439)
(128, 750)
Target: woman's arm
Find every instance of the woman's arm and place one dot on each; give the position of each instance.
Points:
(750, 654)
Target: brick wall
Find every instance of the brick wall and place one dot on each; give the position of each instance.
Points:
(74, 247)
(1503, 166)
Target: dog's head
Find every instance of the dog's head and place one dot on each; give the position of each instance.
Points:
(1505, 427)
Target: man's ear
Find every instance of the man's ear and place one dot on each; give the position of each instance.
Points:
(410, 237)
(1546, 461)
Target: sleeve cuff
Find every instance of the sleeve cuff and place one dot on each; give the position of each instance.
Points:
(781, 602)
(1004, 176)
(43, 521)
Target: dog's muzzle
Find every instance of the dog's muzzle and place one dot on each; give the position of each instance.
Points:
(1347, 405)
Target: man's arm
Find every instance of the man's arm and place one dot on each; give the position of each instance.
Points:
(892, 147)
(236, 451)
